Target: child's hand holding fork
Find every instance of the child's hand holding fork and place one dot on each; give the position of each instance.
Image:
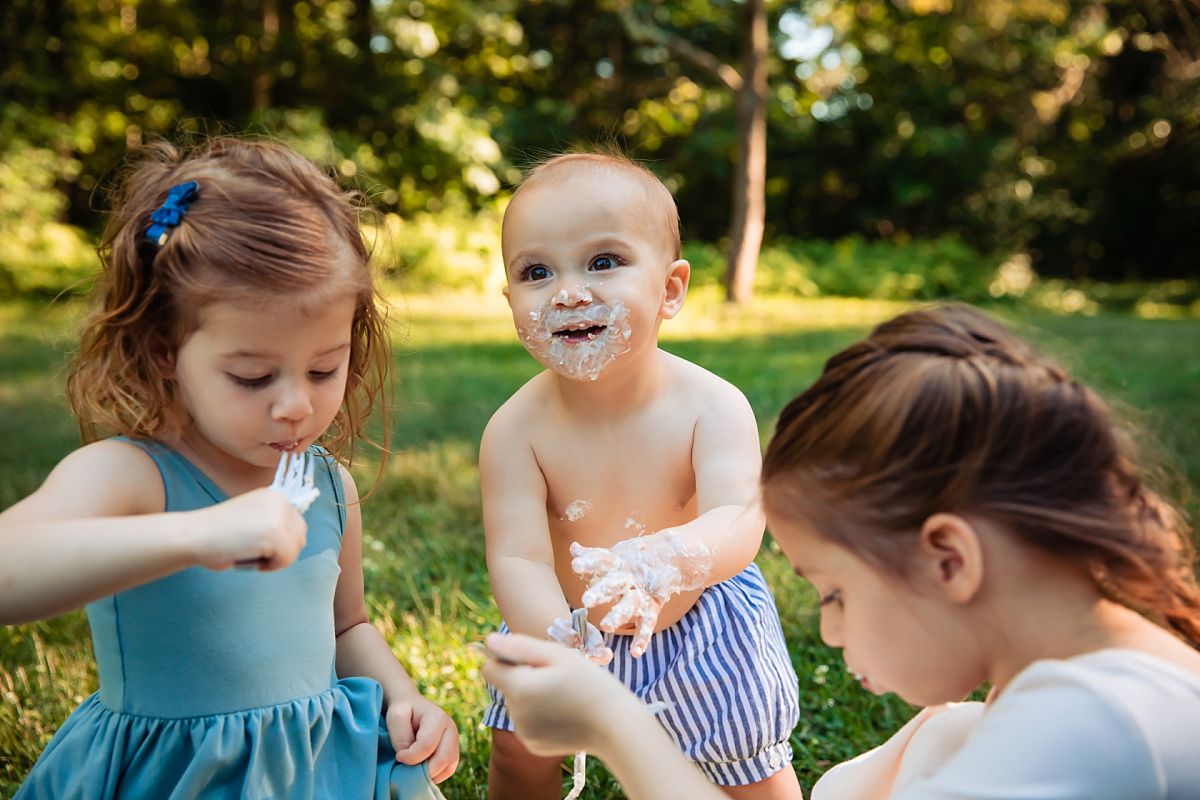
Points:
(263, 529)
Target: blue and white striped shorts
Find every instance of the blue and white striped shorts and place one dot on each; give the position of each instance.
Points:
(725, 670)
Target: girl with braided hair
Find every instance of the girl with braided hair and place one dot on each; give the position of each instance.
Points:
(970, 516)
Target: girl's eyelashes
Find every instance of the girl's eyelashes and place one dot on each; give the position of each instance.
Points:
(249, 383)
(833, 597)
(262, 380)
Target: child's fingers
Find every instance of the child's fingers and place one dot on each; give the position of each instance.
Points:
(444, 761)
(432, 736)
(400, 727)
(641, 640)
(429, 736)
(607, 588)
(563, 632)
(523, 650)
(599, 654)
(587, 560)
(625, 609)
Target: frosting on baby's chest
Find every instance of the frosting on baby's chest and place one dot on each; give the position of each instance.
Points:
(619, 489)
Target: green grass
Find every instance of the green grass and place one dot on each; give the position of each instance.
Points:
(457, 360)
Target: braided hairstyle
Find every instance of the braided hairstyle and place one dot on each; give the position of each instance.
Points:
(943, 409)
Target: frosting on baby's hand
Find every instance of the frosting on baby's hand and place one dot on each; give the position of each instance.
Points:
(638, 576)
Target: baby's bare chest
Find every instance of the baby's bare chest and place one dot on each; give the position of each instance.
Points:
(619, 480)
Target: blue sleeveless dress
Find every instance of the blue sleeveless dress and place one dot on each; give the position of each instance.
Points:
(222, 684)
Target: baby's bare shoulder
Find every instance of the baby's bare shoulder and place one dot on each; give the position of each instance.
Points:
(707, 392)
(519, 416)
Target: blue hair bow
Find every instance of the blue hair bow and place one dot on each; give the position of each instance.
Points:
(170, 213)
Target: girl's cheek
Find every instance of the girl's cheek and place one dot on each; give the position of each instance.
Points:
(831, 626)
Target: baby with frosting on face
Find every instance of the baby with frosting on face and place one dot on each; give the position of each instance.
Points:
(578, 337)
(623, 479)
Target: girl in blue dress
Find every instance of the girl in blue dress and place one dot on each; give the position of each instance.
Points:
(235, 321)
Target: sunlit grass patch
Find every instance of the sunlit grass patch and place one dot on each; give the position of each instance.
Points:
(706, 315)
(457, 360)
(46, 670)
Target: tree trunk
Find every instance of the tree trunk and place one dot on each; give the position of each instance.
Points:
(264, 74)
(750, 175)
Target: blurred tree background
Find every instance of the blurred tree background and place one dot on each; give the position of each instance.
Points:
(1036, 154)
(963, 148)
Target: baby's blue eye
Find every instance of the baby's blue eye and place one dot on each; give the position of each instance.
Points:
(537, 273)
(602, 263)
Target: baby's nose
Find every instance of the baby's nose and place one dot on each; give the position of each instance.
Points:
(573, 296)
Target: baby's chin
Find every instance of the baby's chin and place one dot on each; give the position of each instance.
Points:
(563, 371)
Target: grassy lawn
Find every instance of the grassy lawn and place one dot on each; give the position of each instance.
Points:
(457, 360)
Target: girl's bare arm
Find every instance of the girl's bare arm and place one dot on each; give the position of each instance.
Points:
(97, 526)
(420, 730)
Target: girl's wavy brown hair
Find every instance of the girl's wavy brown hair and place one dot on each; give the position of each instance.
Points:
(944, 410)
(267, 226)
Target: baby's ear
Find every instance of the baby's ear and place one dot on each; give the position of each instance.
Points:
(952, 556)
(678, 275)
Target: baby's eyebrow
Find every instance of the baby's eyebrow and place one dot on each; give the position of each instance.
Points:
(605, 242)
(523, 255)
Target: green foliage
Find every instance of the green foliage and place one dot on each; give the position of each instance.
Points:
(38, 254)
(423, 554)
(1018, 125)
(858, 267)
(1067, 132)
(943, 268)
(453, 250)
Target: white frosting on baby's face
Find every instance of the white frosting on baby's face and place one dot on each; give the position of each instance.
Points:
(576, 342)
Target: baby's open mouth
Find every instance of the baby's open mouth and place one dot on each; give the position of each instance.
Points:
(581, 334)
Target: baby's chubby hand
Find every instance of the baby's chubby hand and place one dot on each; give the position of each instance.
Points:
(638, 576)
(421, 731)
(258, 527)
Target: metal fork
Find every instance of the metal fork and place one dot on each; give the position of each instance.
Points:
(579, 621)
(294, 480)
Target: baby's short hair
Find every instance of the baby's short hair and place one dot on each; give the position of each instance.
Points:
(658, 196)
